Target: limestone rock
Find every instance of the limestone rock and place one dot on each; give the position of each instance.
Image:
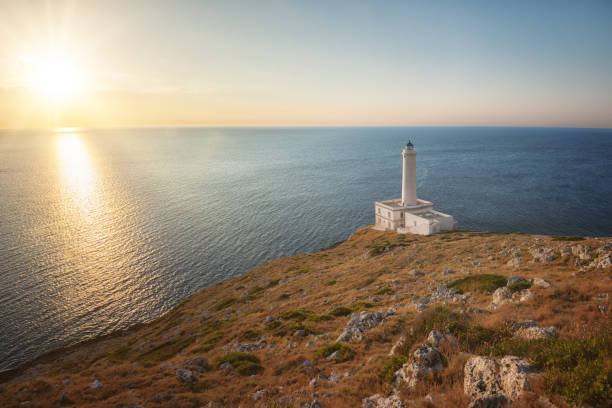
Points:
(425, 361)
(485, 377)
(501, 296)
(513, 280)
(199, 364)
(360, 323)
(436, 338)
(257, 395)
(249, 347)
(415, 272)
(398, 344)
(543, 254)
(186, 375)
(541, 283)
(443, 292)
(582, 252)
(515, 261)
(96, 385)
(529, 329)
(378, 401)
(522, 296)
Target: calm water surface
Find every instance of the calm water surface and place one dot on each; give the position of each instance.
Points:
(103, 229)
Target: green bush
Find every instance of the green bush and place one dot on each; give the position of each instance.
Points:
(578, 369)
(387, 372)
(567, 238)
(302, 314)
(344, 351)
(474, 338)
(516, 287)
(341, 311)
(244, 363)
(478, 283)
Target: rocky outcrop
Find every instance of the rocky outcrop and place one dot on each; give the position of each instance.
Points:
(425, 361)
(528, 329)
(186, 375)
(581, 252)
(543, 254)
(437, 339)
(398, 344)
(515, 261)
(540, 283)
(489, 381)
(199, 364)
(378, 401)
(443, 292)
(500, 296)
(360, 323)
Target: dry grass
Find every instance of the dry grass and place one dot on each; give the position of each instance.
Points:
(298, 293)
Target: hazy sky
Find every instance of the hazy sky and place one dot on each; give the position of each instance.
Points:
(306, 62)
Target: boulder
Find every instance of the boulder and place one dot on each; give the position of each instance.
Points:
(485, 377)
(543, 254)
(360, 323)
(513, 280)
(541, 283)
(186, 375)
(436, 338)
(522, 295)
(378, 401)
(442, 292)
(528, 329)
(199, 364)
(425, 361)
(501, 296)
(582, 252)
(515, 261)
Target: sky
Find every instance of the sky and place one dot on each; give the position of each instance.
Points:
(305, 63)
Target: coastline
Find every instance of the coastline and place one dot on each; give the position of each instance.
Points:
(371, 268)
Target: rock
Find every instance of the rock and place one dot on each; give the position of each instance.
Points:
(501, 296)
(515, 279)
(378, 401)
(257, 395)
(419, 307)
(530, 330)
(442, 292)
(436, 339)
(425, 361)
(226, 367)
(199, 364)
(161, 397)
(522, 296)
(485, 377)
(513, 374)
(96, 385)
(490, 401)
(213, 404)
(566, 251)
(448, 272)
(310, 344)
(398, 344)
(333, 355)
(186, 375)
(582, 252)
(541, 283)
(361, 323)
(480, 377)
(250, 347)
(315, 404)
(307, 365)
(604, 261)
(64, 399)
(543, 254)
(515, 261)
(66, 381)
(415, 272)
(300, 333)
(313, 382)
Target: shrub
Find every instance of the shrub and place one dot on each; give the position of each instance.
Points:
(303, 314)
(284, 296)
(479, 283)
(516, 287)
(225, 303)
(567, 238)
(331, 283)
(384, 291)
(341, 311)
(578, 369)
(474, 338)
(344, 351)
(249, 335)
(387, 372)
(244, 363)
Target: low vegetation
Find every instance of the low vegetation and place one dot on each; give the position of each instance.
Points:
(343, 350)
(243, 363)
(478, 283)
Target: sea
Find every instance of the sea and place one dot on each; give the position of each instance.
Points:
(103, 229)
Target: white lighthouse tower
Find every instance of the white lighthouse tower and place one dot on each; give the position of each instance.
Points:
(409, 214)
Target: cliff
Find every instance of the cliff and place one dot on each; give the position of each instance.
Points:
(378, 320)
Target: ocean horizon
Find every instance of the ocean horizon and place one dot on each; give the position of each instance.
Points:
(102, 229)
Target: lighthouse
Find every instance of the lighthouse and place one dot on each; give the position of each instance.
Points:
(410, 214)
(409, 196)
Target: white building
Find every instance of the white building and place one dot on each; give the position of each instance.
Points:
(409, 214)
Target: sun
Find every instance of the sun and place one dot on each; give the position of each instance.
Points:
(55, 77)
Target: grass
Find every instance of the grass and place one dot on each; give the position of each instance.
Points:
(300, 315)
(355, 308)
(166, 350)
(578, 369)
(225, 303)
(517, 287)
(282, 329)
(384, 291)
(387, 372)
(244, 363)
(567, 238)
(249, 335)
(479, 283)
(344, 351)
(284, 296)
(331, 283)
